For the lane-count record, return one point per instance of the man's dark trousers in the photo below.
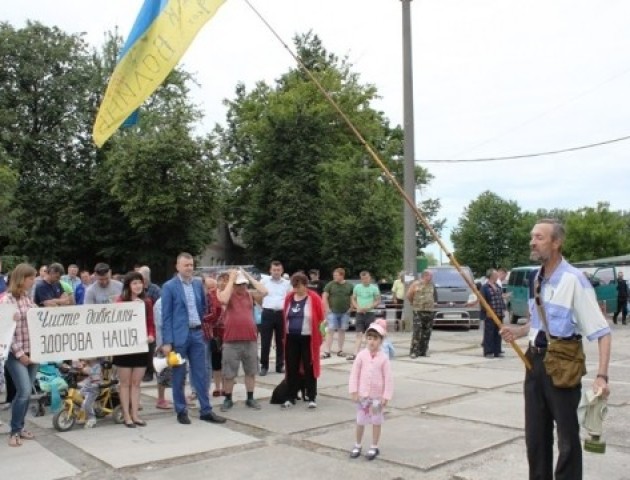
(271, 324)
(545, 404)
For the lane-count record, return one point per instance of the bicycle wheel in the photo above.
(64, 421)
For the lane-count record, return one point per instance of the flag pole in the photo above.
(419, 215)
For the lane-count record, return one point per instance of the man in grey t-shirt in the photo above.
(104, 289)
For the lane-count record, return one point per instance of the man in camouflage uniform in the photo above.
(422, 296)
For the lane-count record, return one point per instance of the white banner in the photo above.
(87, 331)
(7, 327)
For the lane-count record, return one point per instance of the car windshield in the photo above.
(447, 278)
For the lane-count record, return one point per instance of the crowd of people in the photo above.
(213, 325)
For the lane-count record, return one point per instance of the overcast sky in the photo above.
(491, 78)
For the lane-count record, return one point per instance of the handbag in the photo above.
(564, 360)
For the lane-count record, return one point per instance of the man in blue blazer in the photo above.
(183, 308)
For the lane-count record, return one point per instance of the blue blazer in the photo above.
(175, 323)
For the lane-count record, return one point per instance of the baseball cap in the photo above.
(240, 279)
(377, 328)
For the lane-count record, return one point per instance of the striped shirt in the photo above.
(21, 343)
(371, 376)
(570, 305)
(191, 302)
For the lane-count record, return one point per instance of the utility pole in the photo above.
(410, 225)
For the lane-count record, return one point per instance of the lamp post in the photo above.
(410, 225)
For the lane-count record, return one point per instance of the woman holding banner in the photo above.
(131, 367)
(19, 364)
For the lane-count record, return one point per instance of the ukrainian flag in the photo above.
(162, 32)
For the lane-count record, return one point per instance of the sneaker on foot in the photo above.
(312, 404)
(252, 403)
(355, 452)
(91, 423)
(287, 404)
(227, 404)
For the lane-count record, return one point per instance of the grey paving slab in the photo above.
(496, 408)
(239, 393)
(449, 359)
(400, 368)
(299, 418)
(510, 461)
(617, 426)
(473, 377)
(281, 462)
(423, 442)
(161, 439)
(412, 393)
(32, 461)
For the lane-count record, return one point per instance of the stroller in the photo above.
(51, 383)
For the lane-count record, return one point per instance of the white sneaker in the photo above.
(287, 404)
(91, 423)
(312, 404)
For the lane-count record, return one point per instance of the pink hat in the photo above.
(378, 328)
(382, 322)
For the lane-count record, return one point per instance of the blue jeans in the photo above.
(23, 378)
(195, 353)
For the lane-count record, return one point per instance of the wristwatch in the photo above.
(601, 375)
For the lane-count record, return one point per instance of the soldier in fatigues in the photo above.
(422, 296)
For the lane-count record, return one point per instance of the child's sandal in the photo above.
(15, 440)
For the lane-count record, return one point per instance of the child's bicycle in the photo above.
(107, 402)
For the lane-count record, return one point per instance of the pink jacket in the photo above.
(371, 376)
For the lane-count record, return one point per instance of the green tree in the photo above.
(305, 191)
(490, 234)
(596, 232)
(149, 193)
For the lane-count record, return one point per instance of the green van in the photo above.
(602, 279)
(517, 289)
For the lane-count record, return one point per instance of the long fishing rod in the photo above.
(419, 215)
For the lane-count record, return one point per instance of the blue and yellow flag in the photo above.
(160, 36)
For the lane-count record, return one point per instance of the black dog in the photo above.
(281, 392)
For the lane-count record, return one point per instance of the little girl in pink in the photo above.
(371, 387)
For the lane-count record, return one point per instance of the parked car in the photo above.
(456, 304)
(517, 289)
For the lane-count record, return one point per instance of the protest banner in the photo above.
(87, 331)
(7, 327)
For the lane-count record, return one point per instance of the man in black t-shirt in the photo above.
(314, 283)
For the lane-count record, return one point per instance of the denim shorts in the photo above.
(338, 321)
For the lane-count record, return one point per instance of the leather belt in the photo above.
(537, 350)
(195, 327)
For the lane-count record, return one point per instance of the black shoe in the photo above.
(614, 320)
(148, 377)
(499, 355)
(280, 370)
(183, 418)
(212, 418)
(263, 371)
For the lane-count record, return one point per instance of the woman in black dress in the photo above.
(131, 367)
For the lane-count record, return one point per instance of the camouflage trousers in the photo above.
(422, 327)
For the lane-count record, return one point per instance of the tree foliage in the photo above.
(596, 232)
(304, 189)
(490, 234)
(149, 193)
